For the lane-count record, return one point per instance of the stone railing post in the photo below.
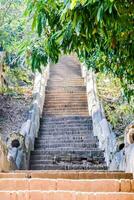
(6, 163)
(129, 148)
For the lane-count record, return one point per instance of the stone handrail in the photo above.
(101, 128)
(116, 159)
(21, 144)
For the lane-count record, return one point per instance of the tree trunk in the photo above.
(2, 55)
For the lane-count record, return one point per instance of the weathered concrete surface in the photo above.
(101, 128)
(30, 128)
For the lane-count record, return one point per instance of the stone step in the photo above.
(67, 125)
(64, 133)
(71, 78)
(67, 158)
(57, 151)
(59, 124)
(64, 142)
(62, 145)
(68, 83)
(71, 119)
(67, 149)
(64, 164)
(76, 137)
(67, 167)
(67, 145)
(64, 95)
(55, 101)
(57, 75)
(74, 175)
(66, 110)
(64, 98)
(62, 195)
(65, 84)
(67, 130)
(63, 185)
(54, 140)
(60, 78)
(72, 95)
(67, 114)
(65, 88)
(65, 105)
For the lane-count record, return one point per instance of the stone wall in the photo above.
(21, 144)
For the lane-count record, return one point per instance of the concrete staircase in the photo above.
(66, 139)
(66, 142)
(66, 185)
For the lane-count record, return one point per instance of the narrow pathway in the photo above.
(66, 139)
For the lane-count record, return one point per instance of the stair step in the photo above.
(69, 119)
(67, 167)
(64, 146)
(74, 175)
(66, 149)
(56, 151)
(66, 130)
(67, 157)
(67, 125)
(63, 142)
(66, 161)
(65, 106)
(65, 88)
(69, 137)
(69, 195)
(64, 113)
(73, 144)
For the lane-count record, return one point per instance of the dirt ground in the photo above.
(13, 112)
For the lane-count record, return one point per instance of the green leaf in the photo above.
(100, 13)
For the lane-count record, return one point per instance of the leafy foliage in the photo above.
(119, 112)
(99, 31)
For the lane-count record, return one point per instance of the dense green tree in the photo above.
(99, 31)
